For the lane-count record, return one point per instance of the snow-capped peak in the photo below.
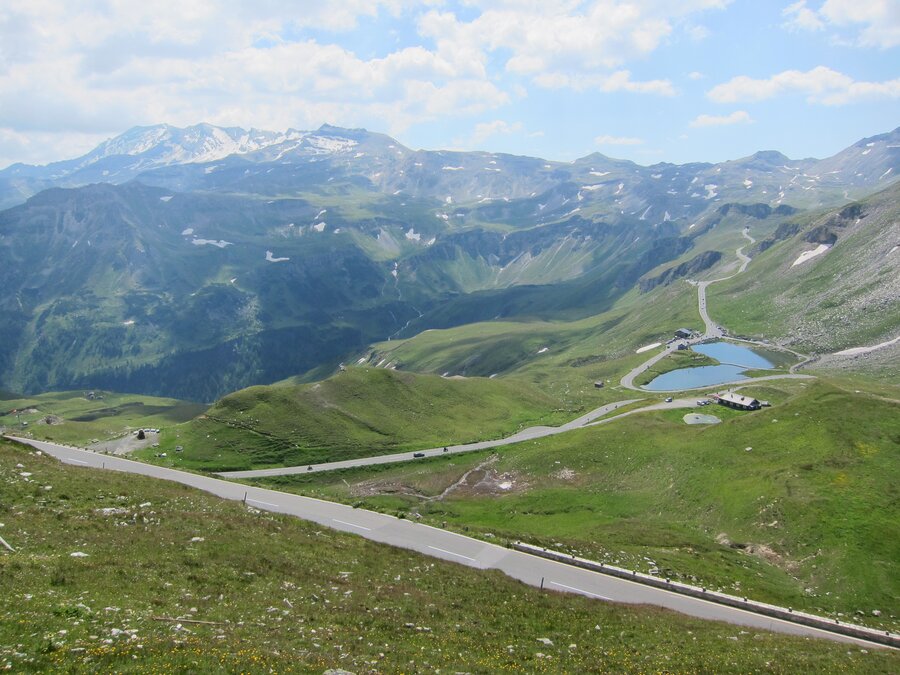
(162, 144)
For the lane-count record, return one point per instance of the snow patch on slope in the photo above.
(809, 255)
(218, 243)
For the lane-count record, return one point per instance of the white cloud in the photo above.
(801, 17)
(93, 67)
(698, 33)
(873, 23)
(566, 43)
(696, 75)
(44, 147)
(485, 130)
(614, 82)
(820, 85)
(737, 117)
(879, 19)
(618, 140)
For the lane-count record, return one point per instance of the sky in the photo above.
(646, 80)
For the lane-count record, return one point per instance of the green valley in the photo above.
(334, 296)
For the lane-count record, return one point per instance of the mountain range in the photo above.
(192, 262)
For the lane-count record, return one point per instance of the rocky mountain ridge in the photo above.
(208, 259)
(278, 163)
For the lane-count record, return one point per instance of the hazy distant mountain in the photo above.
(279, 163)
(196, 261)
(143, 148)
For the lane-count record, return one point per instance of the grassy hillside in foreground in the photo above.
(359, 412)
(71, 417)
(281, 595)
(795, 504)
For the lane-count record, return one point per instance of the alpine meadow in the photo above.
(461, 337)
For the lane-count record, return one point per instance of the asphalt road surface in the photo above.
(712, 331)
(442, 544)
(525, 435)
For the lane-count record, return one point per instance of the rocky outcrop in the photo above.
(690, 268)
(784, 231)
(759, 211)
(822, 234)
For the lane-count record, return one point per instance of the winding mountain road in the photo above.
(443, 544)
(528, 434)
(712, 331)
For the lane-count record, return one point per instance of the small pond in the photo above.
(734, 360)
(731, 354)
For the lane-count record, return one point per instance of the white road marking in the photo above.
(344, 522)
(266, 503)
(207, 484)
(458, 555)
(579, 590)
(77, 460)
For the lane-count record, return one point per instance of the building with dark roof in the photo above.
(737, 401)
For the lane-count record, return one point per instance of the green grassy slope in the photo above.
(577, 352)
(76, 419)
(360, 412)
(269, 593)
(842, 298)
(815, 497)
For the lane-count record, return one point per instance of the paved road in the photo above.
(442, 544)
(712, 331)
(628, 380)
(524, 435)
(666, 405)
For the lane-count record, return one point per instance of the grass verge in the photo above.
(172, 580)
(794, 504)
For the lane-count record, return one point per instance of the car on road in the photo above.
(418, 454)
(668, 399)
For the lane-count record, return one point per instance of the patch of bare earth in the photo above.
(373, 488)
(124, 444)
(763, 551)
(482, 480)
(485, 480)
(564, 474)
(51, 420)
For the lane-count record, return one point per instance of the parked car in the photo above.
(668, 399)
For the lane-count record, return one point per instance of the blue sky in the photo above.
(647, 80)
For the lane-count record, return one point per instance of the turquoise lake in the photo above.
(734, 360)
